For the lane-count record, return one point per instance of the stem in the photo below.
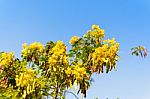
(71, 93)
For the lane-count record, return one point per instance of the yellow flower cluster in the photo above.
(112, 41)
(26, 79)
(106, 53)
(96, 32)
(68, 71)
(6, 59)
(79, 71)
(59, 48)
(36, 46)
(74, 39)
(59, 54)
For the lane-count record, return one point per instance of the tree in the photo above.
(50, 70)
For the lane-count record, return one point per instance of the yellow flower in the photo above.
(106, 53)
(27, 77)
(51, 61)
(97, 31)
(111, 41)
(59, 54)
(37, 45)
(80, 63)
(101, 32)
(24, 94)
(24, 52)
(74, 39)
(6, 59)
(59, 48)
(95, 26)
(79, 72)
(34, 47)
(65, 60)
(68, 71)
(24, 45)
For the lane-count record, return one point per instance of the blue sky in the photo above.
(126, 20)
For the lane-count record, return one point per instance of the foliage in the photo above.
(50, 70)
(140, 51)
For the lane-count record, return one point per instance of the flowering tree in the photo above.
(50, 70)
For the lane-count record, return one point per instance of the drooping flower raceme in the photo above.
(6, 62)
(105, 55)
(27, 80)
(58, 54)
(6, 59)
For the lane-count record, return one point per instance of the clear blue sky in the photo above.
(126, 20)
